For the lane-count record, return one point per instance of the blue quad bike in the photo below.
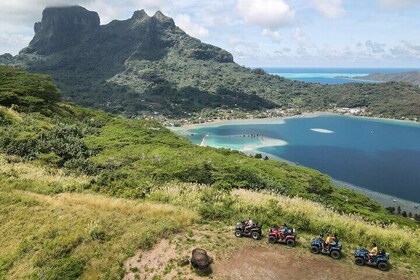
(361, 257)
(334, 251)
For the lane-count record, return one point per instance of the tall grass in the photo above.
(74, 235)
(307, 216)
(32, 177)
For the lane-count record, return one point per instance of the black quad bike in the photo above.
(362, 257)
(318, 246)
(253, 231)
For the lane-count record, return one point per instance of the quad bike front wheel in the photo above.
(272, 239)
(238, 233)
(290, 243)
(255, 235)
(359, 261)
(315, 250)
(383, 266)
(335, 255)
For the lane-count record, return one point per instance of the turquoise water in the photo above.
(331, 75)
(382, 156)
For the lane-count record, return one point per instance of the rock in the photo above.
(61, 27)
(200, 259)
(184, 262)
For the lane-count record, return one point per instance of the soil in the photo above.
(243, 259)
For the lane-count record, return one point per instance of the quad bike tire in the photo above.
(335, 254)
(383, 266)
(290, 243)
(255, 235)
(359, 261)
(315, 250)
(272, 239)
(238, 233)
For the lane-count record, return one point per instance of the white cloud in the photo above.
(397, 4)
(329, 8)
(300, 37)
(269, 14)
(274, 35)
(194, 29)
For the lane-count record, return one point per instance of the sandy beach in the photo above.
(276, 120)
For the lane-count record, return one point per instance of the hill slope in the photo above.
(147, 65)
(63, 167)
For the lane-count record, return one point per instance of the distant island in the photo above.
(412, 77)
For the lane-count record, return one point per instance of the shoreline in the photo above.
(281, 119)
(270, 120)
(383, 199)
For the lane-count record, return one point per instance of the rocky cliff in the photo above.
(61, 28)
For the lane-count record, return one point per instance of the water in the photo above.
(331, 75)
(379, 155)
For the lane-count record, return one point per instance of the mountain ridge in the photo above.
(148, 66)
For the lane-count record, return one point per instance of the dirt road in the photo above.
(245, 259)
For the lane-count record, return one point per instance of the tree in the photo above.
(391, 210)
(266, 158)
(410, 215)
(404, 214)
(399, 210)
(258, 156)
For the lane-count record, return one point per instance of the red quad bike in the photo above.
(276, 235)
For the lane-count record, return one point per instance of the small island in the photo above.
(412, 77)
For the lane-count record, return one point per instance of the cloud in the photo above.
(374, 47)
(274, 35)
(406, 49)
(329, 8)
(268, 14)
(300, 37)
(150, 5)
(391, 5)
(194, 29)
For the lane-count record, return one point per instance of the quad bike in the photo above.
(254, 231)
(318, 246)
(362, 257)
(276, 235)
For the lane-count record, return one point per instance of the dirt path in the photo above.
(285, 263)
(243, 259)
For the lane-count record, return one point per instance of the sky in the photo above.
(278, 33)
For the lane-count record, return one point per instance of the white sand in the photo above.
(321, 130)
(276, 120)
(265, 142)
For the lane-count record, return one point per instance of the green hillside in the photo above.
(129, 157)
(81, 190)
(147, 65)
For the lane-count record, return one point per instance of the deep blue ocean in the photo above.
(379, 155)
(331, 75)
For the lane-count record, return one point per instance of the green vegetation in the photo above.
(81, 190)
(157, 69)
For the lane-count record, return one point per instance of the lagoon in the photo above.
(379, 155)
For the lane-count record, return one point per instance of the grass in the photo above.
(309, 218)
(87, 235)
(76, 235)
(37, 178)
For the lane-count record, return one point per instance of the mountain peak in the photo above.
(140, 14)
(68, 16)
(163, 18)
(61, 26)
